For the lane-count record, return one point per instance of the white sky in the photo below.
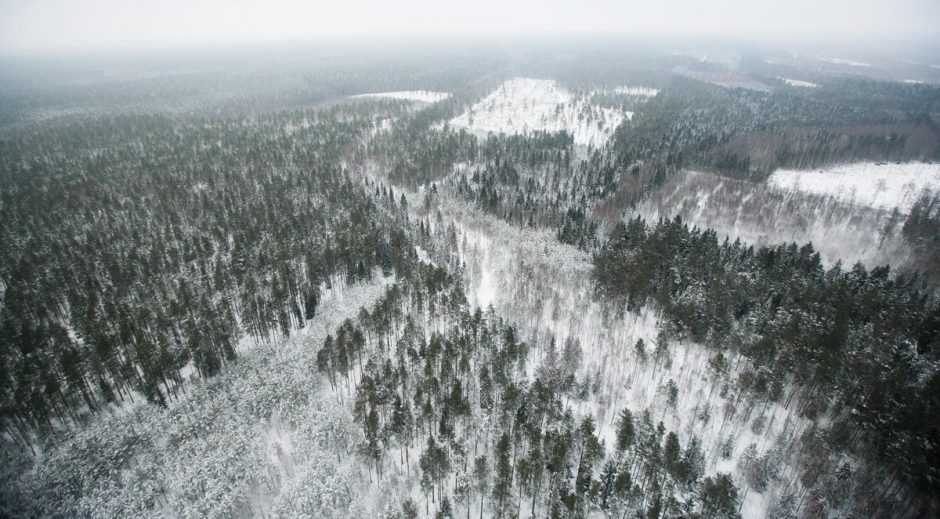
(44, 25)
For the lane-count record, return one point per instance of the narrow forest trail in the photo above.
(544, 288)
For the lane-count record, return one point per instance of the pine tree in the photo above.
(625, 431)
(445, 511)
(502, 485)
(719, 498)
(608, 478)
(671, 453)
(481, 478)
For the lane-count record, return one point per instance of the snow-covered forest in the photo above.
(469, 283)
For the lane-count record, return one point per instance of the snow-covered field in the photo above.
(523, 105)
(882, 186)
(763, 215)
(849, 62)
(797, 82)
(636, 91)
(421, 96)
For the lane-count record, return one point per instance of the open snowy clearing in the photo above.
(882, 186)
(421, 96)
(849, 62)
(521, 106)
(764, 215)
(797, 82)
(637, 91)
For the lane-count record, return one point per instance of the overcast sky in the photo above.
(52, 25)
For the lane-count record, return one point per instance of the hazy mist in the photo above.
(56, 25)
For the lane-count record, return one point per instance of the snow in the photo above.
(756, 505)
(421, 96)
(295, 126)
(266, 437)
(544, 289)
(423, 255)
(797, 82)
(761, 214)
(523, 105)
(636, 91)
(877, 185)
(849, 62)
(485, 291)
(382, 125)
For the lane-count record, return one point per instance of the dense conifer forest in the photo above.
(321, 287)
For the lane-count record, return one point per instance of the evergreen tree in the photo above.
(502, 485)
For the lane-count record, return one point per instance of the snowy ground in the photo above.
(797, 82)
(422, 96)
(265, 438)
(636, 91)
(849, 62)
(763, 215)
(382, 125)
(882, 186)
(523, 105)
(544, 287)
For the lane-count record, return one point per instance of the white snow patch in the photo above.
(797, 82)
(636, 91)
(523, 105)
(849, 62)
(764, 215)
(383, 125)
(756, 504)
(483, 287)
(882, 186)
(421, 96)
(423, 255)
